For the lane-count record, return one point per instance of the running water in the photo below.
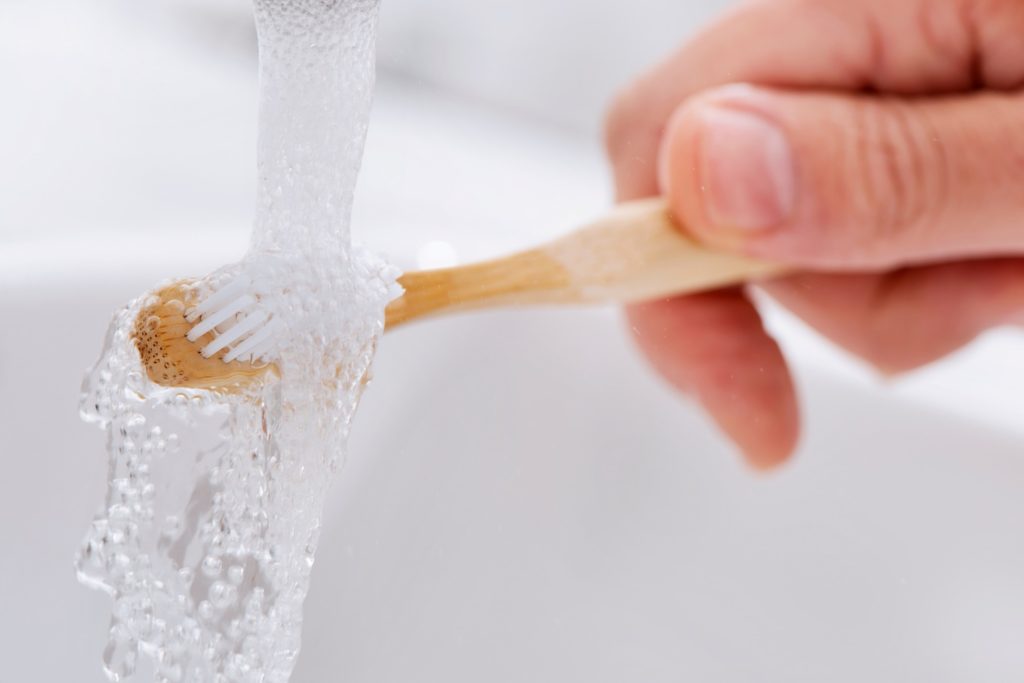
(208, 534)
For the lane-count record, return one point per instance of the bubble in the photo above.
(206, 610)
(236, 574)
(222, 595)
(212, 566)
(121, 654)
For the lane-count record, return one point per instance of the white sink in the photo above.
(524, 501)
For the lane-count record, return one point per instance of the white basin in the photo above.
(525, 501)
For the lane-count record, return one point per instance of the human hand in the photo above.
(878, 147)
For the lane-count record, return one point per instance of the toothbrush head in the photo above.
(240, 328)
(176, 355)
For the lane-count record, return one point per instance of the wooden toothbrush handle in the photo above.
(637, 253)
(634, 253)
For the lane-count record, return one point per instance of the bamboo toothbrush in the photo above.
(634, 253)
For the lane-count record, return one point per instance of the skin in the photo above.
(877, 146)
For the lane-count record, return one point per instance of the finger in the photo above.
(714, 347)
(906, 319)
(927, 46)
(838, 181)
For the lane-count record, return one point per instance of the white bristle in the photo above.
(211, 321)
(250, 345)
(248, 324)
(232, 290)
(235, 316)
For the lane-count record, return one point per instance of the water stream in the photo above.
(209, 529)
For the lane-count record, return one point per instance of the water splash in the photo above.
(210, 527)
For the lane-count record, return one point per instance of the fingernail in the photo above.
(747, 176)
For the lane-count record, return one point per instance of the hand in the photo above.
(878, 146)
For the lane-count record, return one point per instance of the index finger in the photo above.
(905, 47)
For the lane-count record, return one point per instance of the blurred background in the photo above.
(158, 96)
(590, 527)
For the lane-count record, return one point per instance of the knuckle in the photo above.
(900, 176)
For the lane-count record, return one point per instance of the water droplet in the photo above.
(121, 654)
(206, 610)
(236, 574)
(222, 595)
(212, 566)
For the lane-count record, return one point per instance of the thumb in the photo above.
(852, 181)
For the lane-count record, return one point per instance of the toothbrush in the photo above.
(634, 253)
